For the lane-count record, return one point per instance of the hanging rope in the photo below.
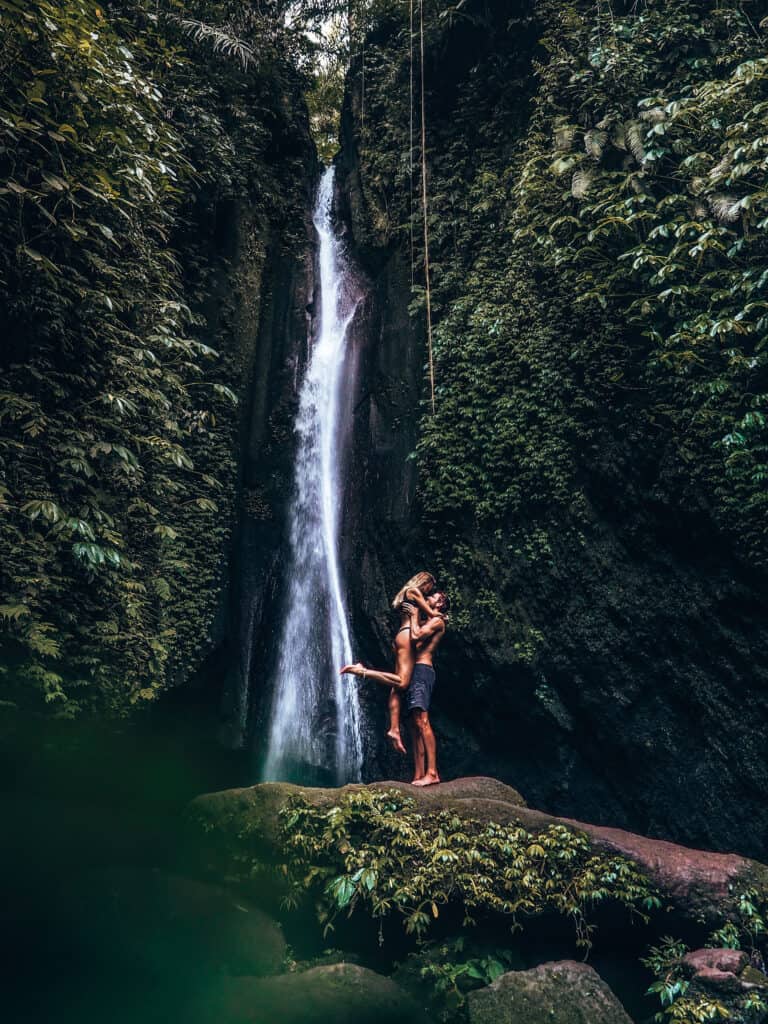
(362, 91)
(410, 141)
(424, 209)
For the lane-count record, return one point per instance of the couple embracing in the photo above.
(423, 615)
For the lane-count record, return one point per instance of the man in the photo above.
(418, 696)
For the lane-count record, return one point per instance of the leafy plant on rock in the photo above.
(372, 852)
(451, 970)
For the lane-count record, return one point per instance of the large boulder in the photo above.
(565, 992)
(700, 885)
(254, 810)
(138, 918)
(342, 993)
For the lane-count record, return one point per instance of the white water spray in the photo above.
(315, 722)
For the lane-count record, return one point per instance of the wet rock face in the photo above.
(271, 316)
(644, 703)
(556, 993)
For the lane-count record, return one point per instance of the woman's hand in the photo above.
(415, 596)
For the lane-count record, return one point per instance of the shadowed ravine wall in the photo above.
(248, 614)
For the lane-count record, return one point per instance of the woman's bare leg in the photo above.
(398, 682)
(385, 678)
(404, 659)
(393, 735)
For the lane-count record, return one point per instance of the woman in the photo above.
(411, 595)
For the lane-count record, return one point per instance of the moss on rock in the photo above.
(556, 993)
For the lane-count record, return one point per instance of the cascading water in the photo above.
(314, 730)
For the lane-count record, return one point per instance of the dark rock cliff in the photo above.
(641, 699)
(259, 311)
(274, 305)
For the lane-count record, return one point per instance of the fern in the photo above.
(594, 142)
(727, 209)
(564, 136)
(221, 39)
(14, 612)
(581, 182)
(635, 134)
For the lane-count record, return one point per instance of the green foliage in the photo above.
(680, 1002)
(747, 925)
(374, 853)
(684, 1005)
(326, 93)
(665, 961)
(450, 970)
(644, 189)
(598, 247)
(124, 127)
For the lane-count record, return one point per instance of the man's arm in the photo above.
(420, 634)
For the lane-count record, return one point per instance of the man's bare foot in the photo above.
(430, 779)
(396, 741)
(355, 670)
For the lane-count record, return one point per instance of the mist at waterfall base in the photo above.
(314, 733)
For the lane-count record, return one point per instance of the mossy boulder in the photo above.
(565, 992)
(255, 809)
(245, 823)
(144, 919)
(340, 993)
(701, 886)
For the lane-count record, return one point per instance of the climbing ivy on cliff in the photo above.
(644, 190)
(596, 178)
(124, 128)
(511, 406)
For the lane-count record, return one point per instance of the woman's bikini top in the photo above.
(406, 606)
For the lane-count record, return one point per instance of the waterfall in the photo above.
(314, 731)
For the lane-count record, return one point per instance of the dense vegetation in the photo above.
(375, 856)
(125, 129)
(644, 184)
(598, 238)
(684, 1006)
(375, 852)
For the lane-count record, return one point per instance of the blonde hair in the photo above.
(414, 583)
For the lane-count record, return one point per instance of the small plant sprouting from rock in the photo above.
(681, 1002)
(451, 969)
(666, 963)
(374, 852)
(747, 928)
